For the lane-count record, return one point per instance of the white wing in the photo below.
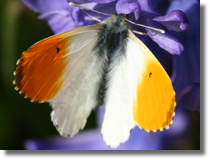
(118, 119)
(136, 94)
(73, 104)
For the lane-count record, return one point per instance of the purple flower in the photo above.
(186, 67)
(176, 20)
(61, 17)
(56, 12)
(59, 14)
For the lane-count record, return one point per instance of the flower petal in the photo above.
(59, 20)
(78, 17)
(43, 6)
(127, 7)
(184, 6)
(147, 8)
(88, 1)
(104, 8)
(166, 40)
(102, 1)
(176, 21)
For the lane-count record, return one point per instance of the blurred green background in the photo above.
(19, 118)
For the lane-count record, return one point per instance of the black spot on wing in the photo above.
(150, 74)
(58, 50)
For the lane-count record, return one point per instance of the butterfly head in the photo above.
(117, 23)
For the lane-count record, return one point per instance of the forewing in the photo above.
(65, 70)
(73, 104)
(41, 70)
(153, 93)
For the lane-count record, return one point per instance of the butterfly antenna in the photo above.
(141, 33)
(156, 29)
(74, 4)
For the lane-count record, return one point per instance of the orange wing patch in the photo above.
(155, 101)
(39, 71)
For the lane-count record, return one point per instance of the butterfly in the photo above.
(105, 63)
